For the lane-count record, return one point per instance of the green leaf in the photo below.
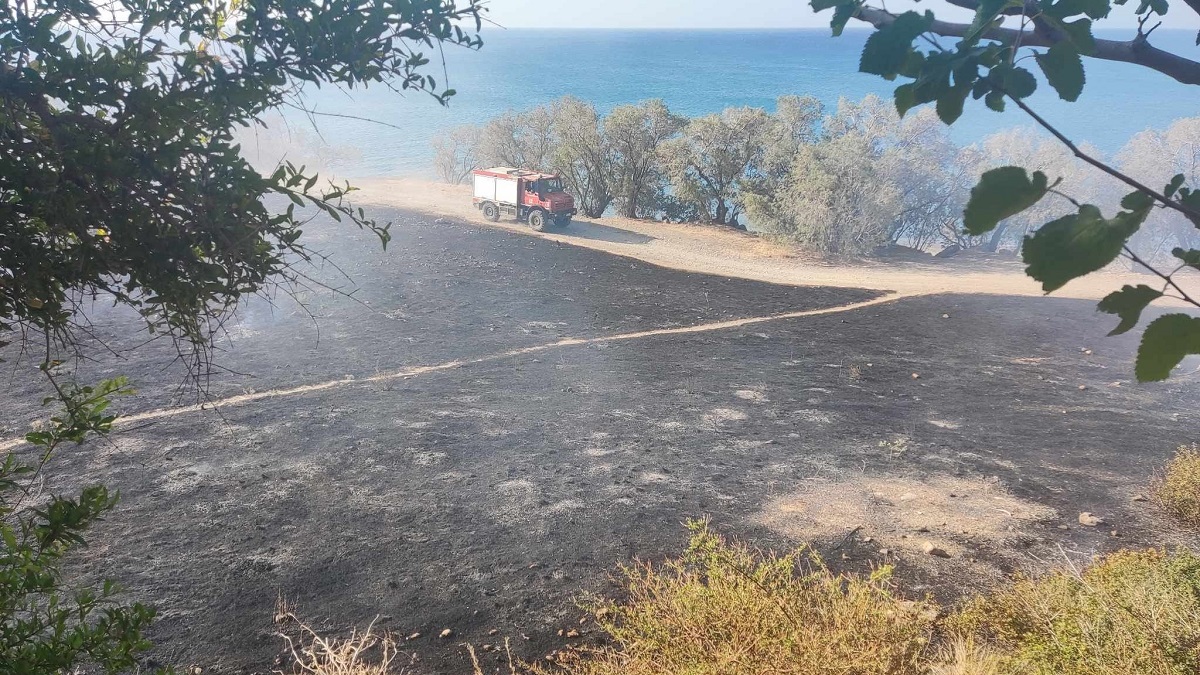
(1002, 193)
(1190, 257)
(1077, 244)
(841, 16)
(887, 49)
(1128, 304)
(1096, 9)
(906, 98)
(1164, 344)
(1064, 70)
(987, 12)
(950, 104)
(1174, 185)
(1017, 82)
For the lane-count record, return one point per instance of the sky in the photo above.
(731, 14)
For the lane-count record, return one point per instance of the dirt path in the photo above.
(736, 254)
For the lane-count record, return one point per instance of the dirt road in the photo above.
(493, 422)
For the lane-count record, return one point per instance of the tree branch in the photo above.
(1138, 51)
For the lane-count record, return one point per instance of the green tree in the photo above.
(583, 156)
(121, 178)
(991, 60)
(716, 157)
(636, 134)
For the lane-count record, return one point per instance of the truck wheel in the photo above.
(562, 221)
(491, 212)
(537, 220)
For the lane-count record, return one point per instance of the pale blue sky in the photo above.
(728, 13)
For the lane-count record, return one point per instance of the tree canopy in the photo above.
(119, 170)
(991, 61)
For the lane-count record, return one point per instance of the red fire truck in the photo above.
(536, 198)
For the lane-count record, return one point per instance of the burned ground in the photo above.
(491, 495)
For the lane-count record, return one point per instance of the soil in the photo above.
(490, 424)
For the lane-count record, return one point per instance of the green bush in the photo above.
(724, 610)
(45, 625)
(1131, 612)
(1178, 489)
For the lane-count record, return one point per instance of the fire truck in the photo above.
(528, 196)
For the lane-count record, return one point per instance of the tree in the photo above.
(989, 61)
(1025, 147)
(914, 159)
(636, 134)
(583, 155)
(715, 157)
(1152, 157)
(797, 123)
(833, 199)
(121, 177)
(524, 140)
(456, 154)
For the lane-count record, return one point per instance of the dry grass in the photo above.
(1131, 612)
(368, 652)
(724, 610)
(1177, 490)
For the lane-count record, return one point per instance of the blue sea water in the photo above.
(698, 72)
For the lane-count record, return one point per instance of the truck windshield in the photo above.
(550, 185)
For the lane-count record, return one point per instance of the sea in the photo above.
(697, 72)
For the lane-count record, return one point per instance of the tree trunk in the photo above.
(997, 236)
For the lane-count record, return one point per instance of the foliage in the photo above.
(121, 177)
(833, 199)
(989, 62)
(1153, 157)
(119, 173)
(1130, 612)
(45, 626)
(715, 158)
(583, 156)
(1177, 490)
(722, 609)
(636, 134)
(859, 178)
(454, 155)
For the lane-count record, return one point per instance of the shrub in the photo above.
(722, 609)
(1131, 612)
(48, 625)
(1178, 489)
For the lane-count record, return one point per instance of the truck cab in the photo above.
(536, 198)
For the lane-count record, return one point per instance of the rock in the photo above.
(487, 648)
(446, 634)
(1088, 520)
(916, 376)
(494, 631)
(1140, 498)
(929, 549)
(1087, 352)
(945, 316)
(414, 636)
(949, 252)
(1082, 387)
(1063, 527)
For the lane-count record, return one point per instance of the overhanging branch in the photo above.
(1138, 51)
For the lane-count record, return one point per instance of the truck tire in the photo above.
(491, 212)
(562, 221)
(537, 220)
